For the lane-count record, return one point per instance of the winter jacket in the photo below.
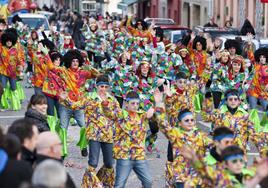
(39, 119)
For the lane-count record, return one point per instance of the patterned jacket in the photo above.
(259, 78)
(39, 62)
(177, 102)
(178, 137)
(220, 177)
(11, 59)
(72, 82)
(130, 133)
(98, 126)
(238, 122)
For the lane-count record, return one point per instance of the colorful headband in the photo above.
(232, 94)
(183, 115)
(103, 83)
(184, 49)
(129, 99)
(68, 37)
(224, 52)
(220, 137)
(232, 157)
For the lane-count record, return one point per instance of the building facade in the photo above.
(160, 9)
(237, 10)
(196, 12)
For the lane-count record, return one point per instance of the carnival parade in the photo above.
(98, 100)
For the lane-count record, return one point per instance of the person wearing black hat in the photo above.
(13, 62)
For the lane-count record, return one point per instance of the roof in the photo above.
(30, 15)
(160, 21)
(174, 27)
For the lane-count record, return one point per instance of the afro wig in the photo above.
(55, 55)
(70, 56)
(159, 33)
(202, 40)
(259, 52)
(9, 36)
(49, 44)
(143, 23)
(16, 19)
(232, 43)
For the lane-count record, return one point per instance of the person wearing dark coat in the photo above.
(27, 133)
(39, 119)
(77, 33)
(37, 112)
(247, 28)
(49, 147)
(16, 171)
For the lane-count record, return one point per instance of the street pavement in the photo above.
(157, 164)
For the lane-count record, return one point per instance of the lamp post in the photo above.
(259, 15)
(241, 12)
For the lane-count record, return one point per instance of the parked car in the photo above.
(34, 21)
(243, 39)
(176, 36)
(264, 43)
(45, 13)
(160, 21)
(174, 33)
(216, 31)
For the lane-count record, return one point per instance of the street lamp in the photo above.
(241, 12)
(259, 14)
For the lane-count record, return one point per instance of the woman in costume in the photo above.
(197, 48)
(12, 65)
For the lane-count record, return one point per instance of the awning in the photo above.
(125, 3)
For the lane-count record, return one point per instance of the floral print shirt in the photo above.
(178, 137)
(238, 122)
(73, 82)
(221, 177)
(98, 126)
(130, 133)
(11, 58)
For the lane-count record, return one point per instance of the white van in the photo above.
(34, 21)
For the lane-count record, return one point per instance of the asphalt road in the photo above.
(157, 165)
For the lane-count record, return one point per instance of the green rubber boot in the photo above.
(52, 122)
(198, 98)
(254, 118)
(20, 90)
(15, 101)
(63, 137)
(82, 143)
(4, 99)
(264, 122)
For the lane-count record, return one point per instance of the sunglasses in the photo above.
(75, 60)
(232, 99)
(181, 81)
(227, 142)
(188, 120)
(104, 86)
(235, 161)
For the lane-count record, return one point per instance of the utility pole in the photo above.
(259, 16)
(241, 12)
